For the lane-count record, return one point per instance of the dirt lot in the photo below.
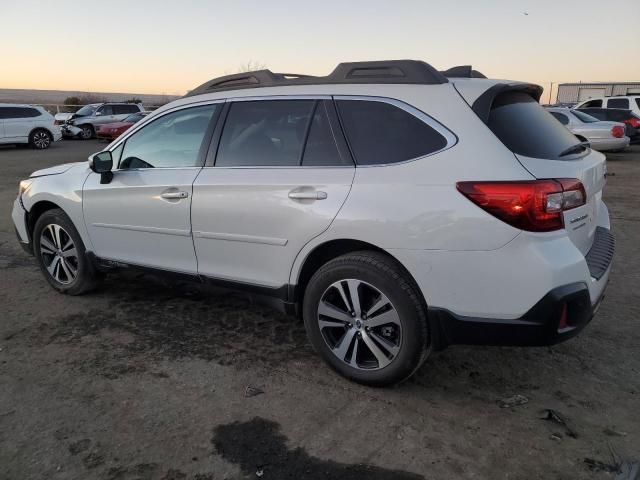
(148, 380)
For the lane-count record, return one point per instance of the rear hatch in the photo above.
(548, 150)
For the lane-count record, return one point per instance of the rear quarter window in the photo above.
(380, 133)
(526, 128)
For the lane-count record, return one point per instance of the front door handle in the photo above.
(174, 195)
(307, 195)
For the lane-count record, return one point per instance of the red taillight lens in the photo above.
(634, 122)
(617, 131)
(535, 206)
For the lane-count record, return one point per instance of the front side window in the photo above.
(106, 110)
(171, 141)
(638, 102)
(264, 133)
(618, 103)
(86, 111)
(380, 133)
(592, 104)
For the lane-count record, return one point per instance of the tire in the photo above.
(87, 132)
(385, 291)
(40, 139)
(55, 240)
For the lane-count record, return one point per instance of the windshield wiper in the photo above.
(577, 148)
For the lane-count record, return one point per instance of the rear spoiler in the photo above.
(482, 105)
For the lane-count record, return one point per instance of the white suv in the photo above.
(27, 124)
(626, 102)
(398, 209)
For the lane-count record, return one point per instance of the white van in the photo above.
(28, 124)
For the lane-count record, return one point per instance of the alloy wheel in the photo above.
(86, 133)
(59, 254)
(41, 140)
(360, 324)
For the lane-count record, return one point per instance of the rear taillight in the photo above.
(617, 131)
(634, 122)
(535, 206)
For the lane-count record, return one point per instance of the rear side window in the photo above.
(561, 117)
(527, 129)
(380, 133)
(265, 133)
(19, 112)
(618, 103)
(320, 148)
(592, 104)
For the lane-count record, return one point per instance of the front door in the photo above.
(142, 216)
(280, 178)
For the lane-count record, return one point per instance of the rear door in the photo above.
(280, 176)
(548, 150)
(19, 122)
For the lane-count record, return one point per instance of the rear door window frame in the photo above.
(333, 122)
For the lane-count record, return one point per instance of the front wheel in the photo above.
(364, 316)
(61, 254)
(87, 132)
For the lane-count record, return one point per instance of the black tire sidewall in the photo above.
(85, 278)
(415, 338)
(32, 139)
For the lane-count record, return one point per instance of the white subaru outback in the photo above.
(397, 208)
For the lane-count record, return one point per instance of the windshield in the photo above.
(86, 110)
(583, 117)
(526, 128)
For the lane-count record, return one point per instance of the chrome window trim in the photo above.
(449, 136)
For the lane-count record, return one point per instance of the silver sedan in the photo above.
(602, 136)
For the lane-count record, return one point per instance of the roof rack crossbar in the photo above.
(391, 72)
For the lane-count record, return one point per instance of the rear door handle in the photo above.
(307, 195)
(174, 195)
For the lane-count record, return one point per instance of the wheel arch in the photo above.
(327, 251)
(36, 212)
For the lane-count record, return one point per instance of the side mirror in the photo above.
(98, 114)
(102, 163)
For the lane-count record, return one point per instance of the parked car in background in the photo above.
(627, 102)
(396, 208)
(630, 119)
(111, 131)
(27, 124)
(84, 123)
(602, 136)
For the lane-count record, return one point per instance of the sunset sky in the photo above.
(171, 46)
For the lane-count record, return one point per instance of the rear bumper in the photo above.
(559, 315)
(604, 145)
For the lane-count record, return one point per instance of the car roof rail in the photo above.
(462, 71)
(388, 72)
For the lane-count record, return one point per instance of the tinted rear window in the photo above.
(528, 129)
(381, 133)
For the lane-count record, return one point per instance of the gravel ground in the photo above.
(144, 379)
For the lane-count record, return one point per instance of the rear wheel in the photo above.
(61, 254)
(40, 139)
(365, 317)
